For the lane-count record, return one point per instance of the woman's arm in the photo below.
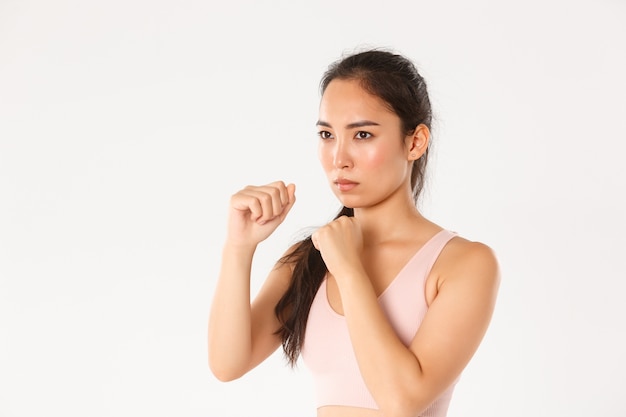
(405, 380)
(241, 335)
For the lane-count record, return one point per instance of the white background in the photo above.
(125, 126)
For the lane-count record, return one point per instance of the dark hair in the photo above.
(395, 80)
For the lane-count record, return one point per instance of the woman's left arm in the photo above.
(405, 380)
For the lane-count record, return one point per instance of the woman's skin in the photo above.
(367, 160)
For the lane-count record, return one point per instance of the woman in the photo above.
(385, 306)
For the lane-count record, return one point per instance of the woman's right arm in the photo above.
(241, 334)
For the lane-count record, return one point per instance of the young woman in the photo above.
(385, 306)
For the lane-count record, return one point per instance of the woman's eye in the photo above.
(324, 134)
(363, 135)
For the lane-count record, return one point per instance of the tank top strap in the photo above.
(433, 248)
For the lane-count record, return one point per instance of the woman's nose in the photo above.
(342, 157)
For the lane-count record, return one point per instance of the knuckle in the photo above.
(236, 198)
(266, 198)
(275, 192)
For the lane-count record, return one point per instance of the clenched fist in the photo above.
(256, 211)
(340, 242)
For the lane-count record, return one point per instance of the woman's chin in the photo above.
(351, 202)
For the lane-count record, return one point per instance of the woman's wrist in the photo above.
(238, 249)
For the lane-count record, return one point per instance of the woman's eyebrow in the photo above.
(360, 123)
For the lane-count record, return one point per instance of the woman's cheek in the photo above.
(373, 157)
(324, 155)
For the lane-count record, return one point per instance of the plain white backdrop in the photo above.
(126, 125)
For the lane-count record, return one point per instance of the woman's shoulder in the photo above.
(458, 248)
(466, 248)
(462, 257)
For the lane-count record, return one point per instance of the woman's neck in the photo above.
(389, 221)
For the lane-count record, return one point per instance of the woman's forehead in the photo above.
(347, 99)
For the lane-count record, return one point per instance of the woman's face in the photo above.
(362, 148)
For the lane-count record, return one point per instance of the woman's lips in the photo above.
(345, 185)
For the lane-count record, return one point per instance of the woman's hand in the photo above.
(256, 211)
(340, 242)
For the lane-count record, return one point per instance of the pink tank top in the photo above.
(327, 350)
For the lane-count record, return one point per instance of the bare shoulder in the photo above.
(461, 299)
(463, 259)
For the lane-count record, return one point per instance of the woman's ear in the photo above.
(417, 142)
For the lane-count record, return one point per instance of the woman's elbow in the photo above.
(223, 372)
(223, 376)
